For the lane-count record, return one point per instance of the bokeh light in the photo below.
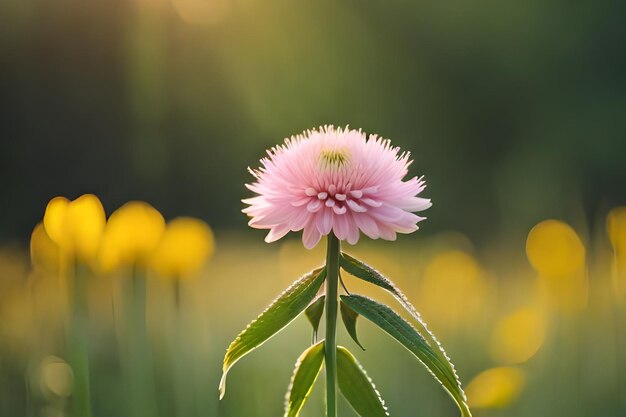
(453, 290)
(518, 337)
(496, 387)
(56, 377)
(554, 249)
(556, 252)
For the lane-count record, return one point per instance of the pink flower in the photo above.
(335, 180)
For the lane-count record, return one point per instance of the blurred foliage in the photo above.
(154, 342)
(514, 112)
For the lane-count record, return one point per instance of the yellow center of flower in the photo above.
(334, 157)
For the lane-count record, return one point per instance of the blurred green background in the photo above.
(514, 111)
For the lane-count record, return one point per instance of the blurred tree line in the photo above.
(514, 111)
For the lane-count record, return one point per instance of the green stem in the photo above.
(78, 341)
(330, 346)
(143, 401)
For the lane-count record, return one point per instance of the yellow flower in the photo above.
(184, 248)
(518, 337)
(76, 226)
(558, 255)
(616, 229)
(131, 234)
(554, 249)
(44, 252)
(495, 388)
(54, 219)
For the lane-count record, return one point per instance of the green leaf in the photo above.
(401, 330)
(307, 369)
(314, 313)
(365, 272)
(349, 316)
(357, 388)
(275, 317)
(361, 270)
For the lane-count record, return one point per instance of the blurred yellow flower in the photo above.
(518, 337)
(130, 235)
(54, 219)
(557, 253)
(85, 220)
(453, 289)
(185, 246)
(76, 226)
(44, 252)
(554, 249)
(495, 388)
(616, 229)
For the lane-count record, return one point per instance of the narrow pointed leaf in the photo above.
(357, 388)
(279, 314)
(307, 369)
(314, 314)
(349, 316)
(401, 330)
(365, 272)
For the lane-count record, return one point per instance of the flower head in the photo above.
(184, 248)
(76, 226)
(335, 180)
(131, 234)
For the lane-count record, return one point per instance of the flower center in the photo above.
(334, 157)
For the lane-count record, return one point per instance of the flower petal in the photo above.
(324, 221)
(276, 233)
(311, 236)
(367, 225)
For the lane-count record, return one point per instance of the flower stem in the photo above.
(78, 342)
(330, 346)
